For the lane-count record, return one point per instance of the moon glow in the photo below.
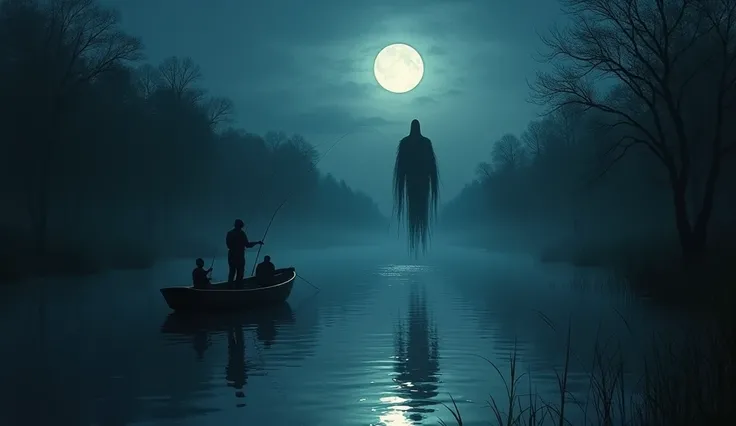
(398, 68)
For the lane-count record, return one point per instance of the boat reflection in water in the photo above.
(416, 367)
(201, 327)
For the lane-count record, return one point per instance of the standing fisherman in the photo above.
(237, 242)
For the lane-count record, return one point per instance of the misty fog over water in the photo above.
(386, 341)
(577, 207)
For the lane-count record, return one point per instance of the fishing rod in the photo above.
(273, 216)
(212, 265)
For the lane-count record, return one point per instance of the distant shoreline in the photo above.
(76, 263)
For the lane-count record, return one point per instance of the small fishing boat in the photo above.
(243, 294)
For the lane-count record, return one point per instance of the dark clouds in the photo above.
(333, 119)
(306, 66)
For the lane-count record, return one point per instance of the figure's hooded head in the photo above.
(415, 131)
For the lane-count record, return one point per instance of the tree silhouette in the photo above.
(148, 80)
(92, 137)
(54, 49)
(219, 111)
(507, 152)
(673, 65)
(179, 75)
(534, 139)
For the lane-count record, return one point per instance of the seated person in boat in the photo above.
(199, 275)
(265, 272)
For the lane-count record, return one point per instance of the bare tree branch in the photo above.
(648, 54)
(484, 170)
(179, 74)
(534, 138)
(622, 147)
(219, 110)
(148, 80)
(637, 44)
(507, 152)
(88, 40)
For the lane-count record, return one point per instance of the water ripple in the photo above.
(383, 343)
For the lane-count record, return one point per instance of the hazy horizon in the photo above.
(178, 251)
(308, 69)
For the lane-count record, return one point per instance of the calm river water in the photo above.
(386, 341)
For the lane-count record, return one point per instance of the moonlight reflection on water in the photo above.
(382, 342)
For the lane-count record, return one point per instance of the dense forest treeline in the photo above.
(110, 159)
(635, 150)
(552, 187)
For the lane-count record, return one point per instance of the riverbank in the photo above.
(19, 261)
(650, 266)
(687, 382)
(653, 268)
(691, 381)
(679, 389)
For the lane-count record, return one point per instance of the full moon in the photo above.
(398, 68)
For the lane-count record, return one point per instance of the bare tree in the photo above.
(484, 170)
(219, 110)
(86, 40)
(82, 41)
(652, 51)
(507, 153)
(180, 75)
(535, 138)
(275, 139)
(148, 80)
(304, 148)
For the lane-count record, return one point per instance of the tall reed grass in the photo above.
(690, 382)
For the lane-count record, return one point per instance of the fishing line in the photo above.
(314, 166)
(307, 281)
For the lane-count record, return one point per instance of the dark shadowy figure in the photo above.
(236, 371)
(417, 352)
(237, 242)
(416, 181)
(265, 272)
(199, 275)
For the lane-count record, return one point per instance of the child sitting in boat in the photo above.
(265, 272)
(199, 275)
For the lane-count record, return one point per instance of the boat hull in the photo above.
(238, 295)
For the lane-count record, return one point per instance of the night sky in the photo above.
(307, 67)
